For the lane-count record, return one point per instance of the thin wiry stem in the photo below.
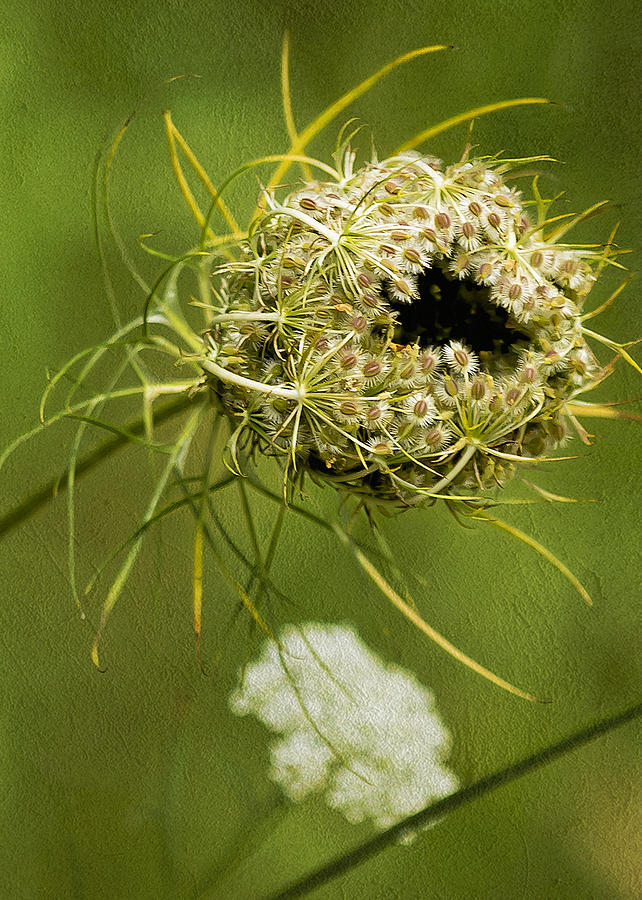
(336, 108)
(413, 616)
(179, 450)
(287, 99)
(467, 116)
(434, 811)
(40, 498)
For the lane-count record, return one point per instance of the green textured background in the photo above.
(138, 782)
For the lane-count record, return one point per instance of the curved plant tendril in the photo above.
(468, 116)
(336, 108)
(535, 545)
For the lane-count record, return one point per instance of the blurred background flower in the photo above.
(363, 734)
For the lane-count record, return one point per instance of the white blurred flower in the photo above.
(360, 731)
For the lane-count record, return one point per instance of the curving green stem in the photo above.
(466, 795)
(40, 498)
(249, 384)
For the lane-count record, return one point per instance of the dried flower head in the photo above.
(362, 733)
(413, 288)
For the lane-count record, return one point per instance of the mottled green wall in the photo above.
(133, 783)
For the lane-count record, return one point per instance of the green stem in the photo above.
(34, 502)
(248, 383)
(467, 454)
(436, 810)
(250, 316)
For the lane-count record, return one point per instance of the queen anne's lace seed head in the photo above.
(363, 734)
(403, 279)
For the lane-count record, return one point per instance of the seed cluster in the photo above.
(405, 333)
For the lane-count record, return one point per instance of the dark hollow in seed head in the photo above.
(453, 309)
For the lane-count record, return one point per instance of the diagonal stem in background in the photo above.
(34, 502)
(485, 785)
